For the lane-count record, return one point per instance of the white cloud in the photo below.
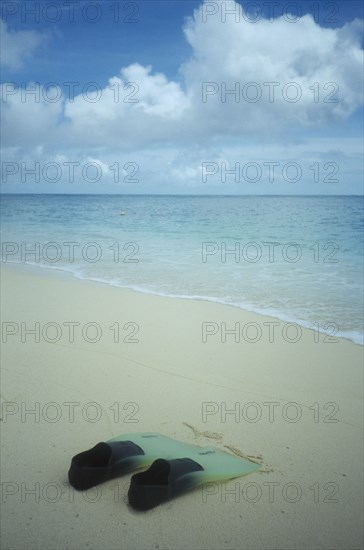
(176, 169)
(135, 108)
(141, 110)
(274, 62)
(102, 166)
(29, 119)
(234, 54)
(286, 76)
(18, 46)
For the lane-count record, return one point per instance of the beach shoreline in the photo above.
(332, 330)
(84, 361)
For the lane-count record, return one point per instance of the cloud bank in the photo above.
(266, 81)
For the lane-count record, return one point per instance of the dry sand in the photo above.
(295, 406)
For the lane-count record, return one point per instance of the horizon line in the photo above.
(182, 195)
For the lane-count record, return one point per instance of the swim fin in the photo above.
(121, 455)
(166, 479)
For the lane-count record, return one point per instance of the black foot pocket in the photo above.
(102, 462)
(165, 479)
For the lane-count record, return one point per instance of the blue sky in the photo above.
(171, 128)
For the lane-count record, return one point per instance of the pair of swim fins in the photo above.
(175, 467)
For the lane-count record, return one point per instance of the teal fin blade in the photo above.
(155, 446)
(166, 479)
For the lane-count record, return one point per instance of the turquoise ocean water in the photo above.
(299, 259)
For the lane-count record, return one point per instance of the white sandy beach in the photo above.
(308, 493)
